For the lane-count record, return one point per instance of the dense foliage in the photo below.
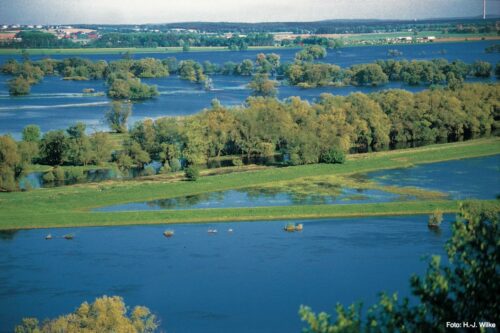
(415, 72)
(106, 315)
(301, 132)
(465, 288)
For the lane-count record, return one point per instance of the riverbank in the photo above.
(70, 206)
(350, 41)
(133, 50)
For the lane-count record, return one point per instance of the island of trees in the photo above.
(123, 77)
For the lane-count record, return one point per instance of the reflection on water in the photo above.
(477, 178)
(35, 179)
(196, 282)
(256, 198)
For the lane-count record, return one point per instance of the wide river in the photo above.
(55, 104)
(251, 280)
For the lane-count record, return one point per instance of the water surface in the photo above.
(471, 178)
(256, 198)
(251, 280)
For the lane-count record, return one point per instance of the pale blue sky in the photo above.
(164, 11)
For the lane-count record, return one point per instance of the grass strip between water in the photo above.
(70, 205)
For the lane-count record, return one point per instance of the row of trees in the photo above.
(437, 71)
(306, 133)
(73, 147)
(302, 132)
(151, 39)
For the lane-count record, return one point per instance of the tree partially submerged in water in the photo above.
(105, 315)
(465, 289)
(117, 116)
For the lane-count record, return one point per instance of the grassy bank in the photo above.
(68, 206)
(372, 37)
(123, 50)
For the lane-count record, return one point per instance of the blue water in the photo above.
(473, 178)
(254, 198)
(477, 178)
(251, 280)
(55, 103)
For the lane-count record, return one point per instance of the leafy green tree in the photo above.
(10, 164)
(139, 156)
(31, 133)
(19, 86)
(311, 53)
(175, 165)
(192, 71)
(464, 288)
(371, 74)
(262, 86)
(101, 147)
(131, 89)
(481, 69)
(53, 147)
(149, 68)
(79, 150)
(106, 315)
(118, 115)
(245, 67)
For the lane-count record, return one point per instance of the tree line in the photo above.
(296, 129)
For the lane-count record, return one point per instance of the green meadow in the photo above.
(70, 205)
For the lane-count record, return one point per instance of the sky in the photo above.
(166, 11)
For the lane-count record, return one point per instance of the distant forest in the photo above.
(205, 34)
(319, 27)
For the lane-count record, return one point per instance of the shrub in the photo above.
(192, 173)
(165, 168)
(237, 162)
(334, 155)
(75, 175)
(435, 219)
(175, 165)
(48, 177)
(149, 171)
(58, 174)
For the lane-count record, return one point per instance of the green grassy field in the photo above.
(352, 37)
(437, 34)
(69, 206)
(134, 50)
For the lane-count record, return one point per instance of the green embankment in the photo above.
(69, 206)
(123, 50)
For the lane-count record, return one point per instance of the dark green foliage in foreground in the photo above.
(106, 315)
(332, 156)
(192, 173)
(466, 288)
